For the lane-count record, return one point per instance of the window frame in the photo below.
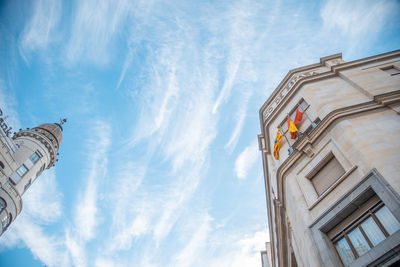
(357, 224)
(4, 223)
(319, 167)
(387, 68)
(3, 205)
(292, 115)
(28, 184)
(38, 156)
(26, 170)
(371, 184)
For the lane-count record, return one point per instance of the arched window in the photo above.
(3, 204)
(6, 221)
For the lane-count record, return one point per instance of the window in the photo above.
(371, 195)
(3, 204)
(41, 170)
(5, 221)
(27, 185)
(35, 157)
(302, 105)
(326, 174)
(22, 170)
(366, 232)
(391, 70)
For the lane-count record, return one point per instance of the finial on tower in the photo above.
(62, 121)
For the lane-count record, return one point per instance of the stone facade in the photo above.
(22, 159)
(343, 169)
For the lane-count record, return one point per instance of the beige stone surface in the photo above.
(358, 105)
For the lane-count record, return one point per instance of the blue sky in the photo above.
(159, 164)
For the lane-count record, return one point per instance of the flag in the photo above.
(299, 117)
(292, 128)
(277, 144)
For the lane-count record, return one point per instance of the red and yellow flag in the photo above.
(299, 117)
(292, 128)
(277, 144)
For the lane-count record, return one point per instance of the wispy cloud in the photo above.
(94, 26)
(196, 75)
(43, 199)
(130, 215)
(38, 32)
(42, 206)
(246, 160)
(191, 252)
(86, 215)
(241, 116)
(8, 105)
(247, 250)
(358, 19)
(231, 71)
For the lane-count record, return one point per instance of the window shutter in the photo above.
(327, 175)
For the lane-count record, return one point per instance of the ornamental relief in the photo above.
(283, 92)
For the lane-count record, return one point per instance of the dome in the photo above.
(54, 129)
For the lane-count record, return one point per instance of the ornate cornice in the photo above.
(308, 74)
(42, 139)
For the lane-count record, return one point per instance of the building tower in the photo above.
(333, 188)
(22, 159)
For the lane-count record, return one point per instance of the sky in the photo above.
(159, 164)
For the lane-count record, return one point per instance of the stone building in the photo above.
(333, 194)
(22, 159)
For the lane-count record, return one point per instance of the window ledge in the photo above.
(385, 252)
(333, 186)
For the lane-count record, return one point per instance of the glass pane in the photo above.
(5, 221)
(34, 158)
(358, 241)
(344, 251)
(373, 231)
(22, 170)
(388, 220)
(3, 204)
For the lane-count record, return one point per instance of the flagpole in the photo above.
(291, 150)
(313, 124)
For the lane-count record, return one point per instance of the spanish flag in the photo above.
(292, 128)
(277, 144)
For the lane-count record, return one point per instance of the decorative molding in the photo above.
(42, 139)
(267, 114)
(333, 186)
(314, 135)
(308, 150)
(284, 91)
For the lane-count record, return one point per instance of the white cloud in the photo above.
(37, 33)
(44, 247)
(43, 200)
(241, 116)
(248, 250)
(246, 160)
(107, 262)
(86, 216)
(130, 215)
(42, 206)
(192, 251)
(86, 207)
(358, 19)
(232, 69)
(76, 250)
(94, 25)
(8, 104)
